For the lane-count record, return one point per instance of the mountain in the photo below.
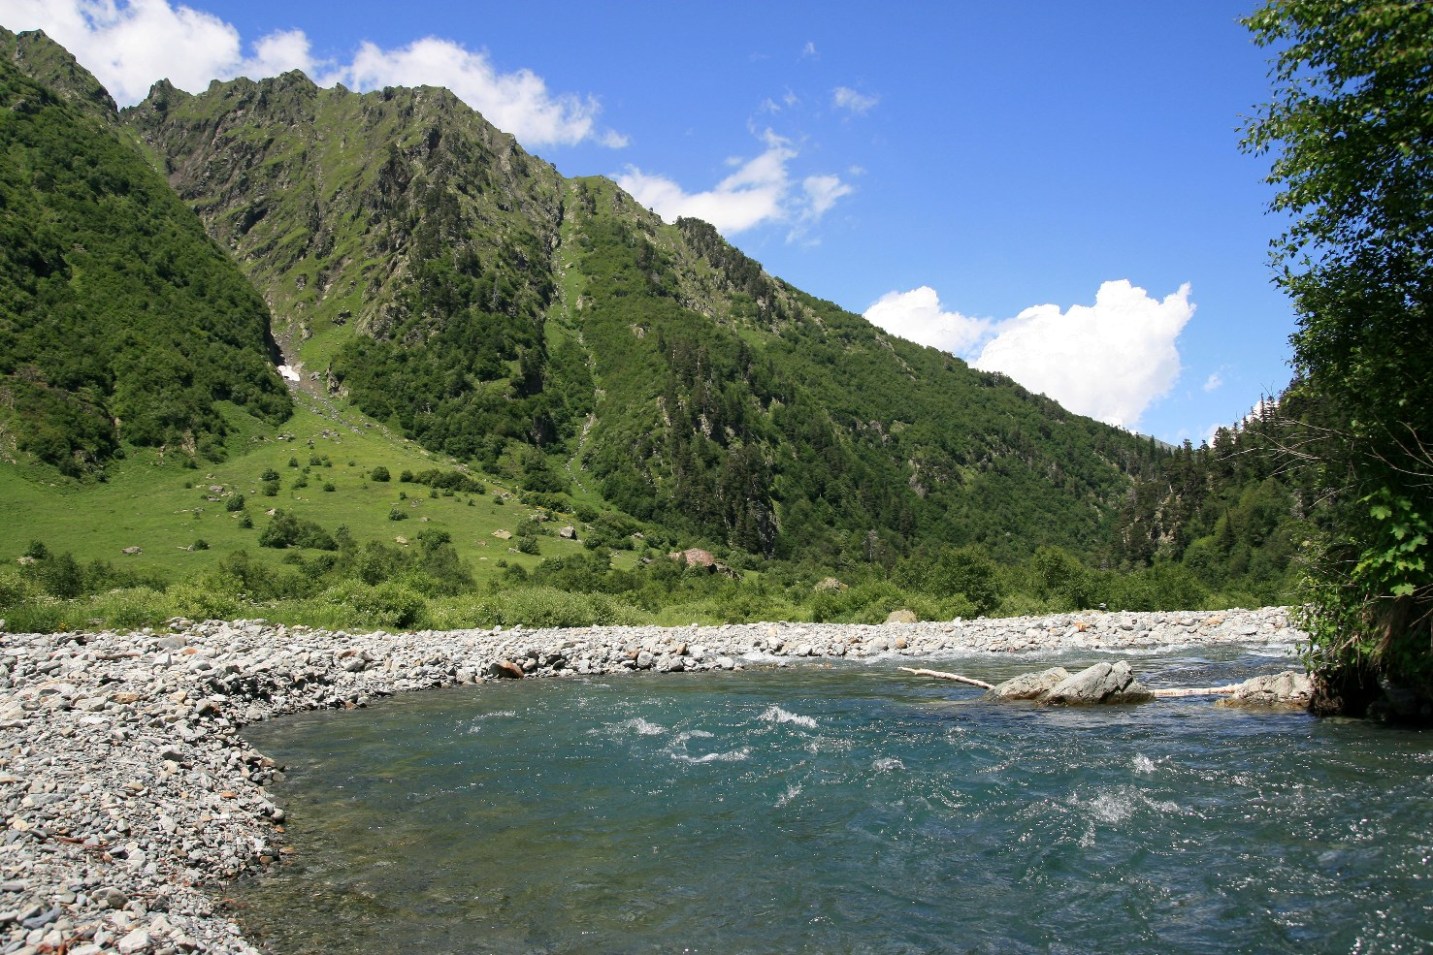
(120, 320)
(422, 266)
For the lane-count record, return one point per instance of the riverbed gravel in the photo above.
(130, 798)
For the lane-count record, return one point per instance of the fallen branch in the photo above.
(1166, 693)
(941, 674)
(1196, 691)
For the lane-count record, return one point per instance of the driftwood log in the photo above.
(1285, 689)
(942, 675)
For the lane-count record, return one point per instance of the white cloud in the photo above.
(859, 103)
(1109, 361)
(760, 191)
(822, 193)
(809, 50)
(518, 103)
(129, 45)
(918, 316)
(1214, 382)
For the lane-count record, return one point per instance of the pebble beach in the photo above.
(130, 797)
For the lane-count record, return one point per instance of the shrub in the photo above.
(286, 530)
(235, 503)
(200, 602)
(35, 617)
(132, 608)
(379, 473)
(388, 605)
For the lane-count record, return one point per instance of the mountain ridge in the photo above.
(456, 306)
(427, 268)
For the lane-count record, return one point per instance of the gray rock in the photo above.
(135, 942)
(1100, 683)
(1029, 686)
(1288, 689)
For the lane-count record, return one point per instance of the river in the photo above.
(845, 807)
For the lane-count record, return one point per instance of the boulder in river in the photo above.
(1030, 686)
(1102, 683)
(1291, 689)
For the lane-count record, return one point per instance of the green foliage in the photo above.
(122, 320)
(446, 480)
(1234, 514)
(1350, 128)
(379, 473)
(287, 530)
(389, 605)
(966, 572)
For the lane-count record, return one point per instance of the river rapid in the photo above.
(743, 788)
(846, 806)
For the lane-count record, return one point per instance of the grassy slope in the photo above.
(145, 503)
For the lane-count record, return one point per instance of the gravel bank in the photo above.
(130, 798)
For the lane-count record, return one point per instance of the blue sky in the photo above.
(1046, 188)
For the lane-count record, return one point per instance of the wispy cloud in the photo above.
(843, 97)
(760, 191)
(130, 44)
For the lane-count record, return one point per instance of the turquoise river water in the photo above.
(845, 808)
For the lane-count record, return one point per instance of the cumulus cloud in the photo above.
(918, 316)
(1110, 360)
(760, 191)
(517, 102)
(129, 45)
(843, 97)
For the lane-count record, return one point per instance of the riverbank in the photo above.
(130, 797)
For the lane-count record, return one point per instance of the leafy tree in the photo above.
(1350, 125)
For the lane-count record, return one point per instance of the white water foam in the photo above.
(1116, 806)
(1142, 764)
(678, 750)
(775, 714)
(791, 793)
(476, 726)
(641, 727)
(731, 756)
(887, 764)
